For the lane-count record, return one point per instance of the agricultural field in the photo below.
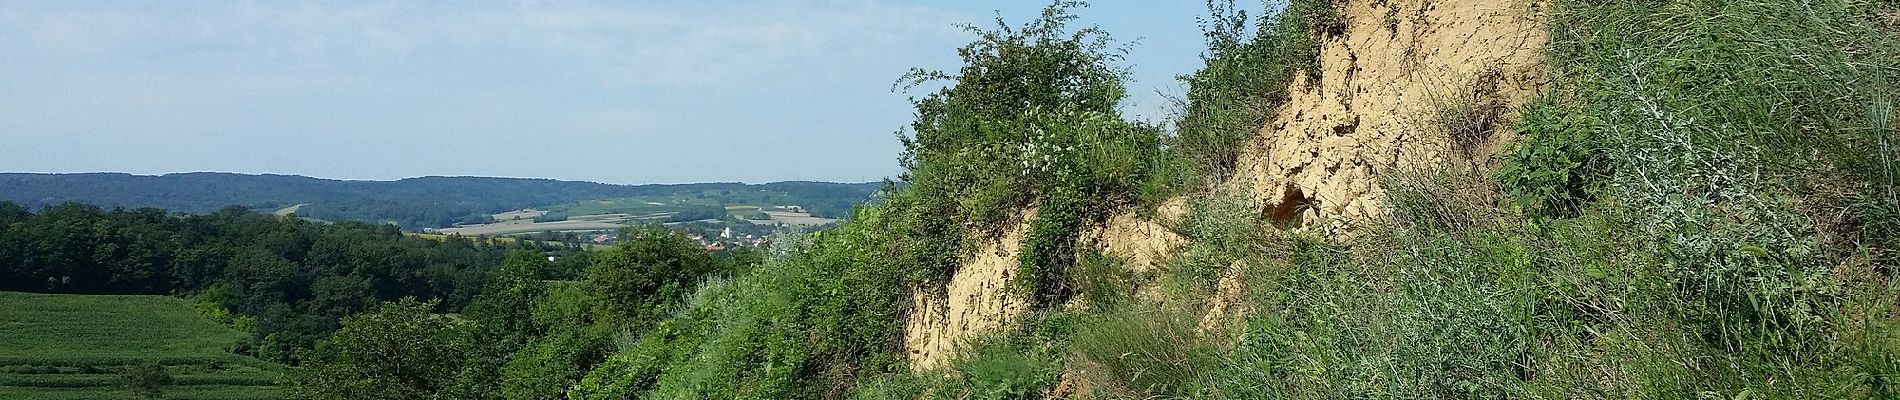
(289, 210)
(613, 214)
(731, 198)
(511, 229)
(65, 346)
(792, 218)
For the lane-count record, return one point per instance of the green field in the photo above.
(736, 200)
(62, 346)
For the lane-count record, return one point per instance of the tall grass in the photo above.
(1659, 239)
(1691, 271)
(1146, 349)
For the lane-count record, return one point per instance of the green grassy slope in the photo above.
(56, 346)
(1703, 207)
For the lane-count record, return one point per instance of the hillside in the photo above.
(1359, 199)
(412, 203)
(55, 346)
(1364, 199)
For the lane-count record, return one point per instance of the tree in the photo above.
(504, 318)
(639, 279)
(401, 351)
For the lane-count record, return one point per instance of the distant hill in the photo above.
(432, 201)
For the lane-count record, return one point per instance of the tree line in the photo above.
(287, 281)
(364, 311)
(413, 203)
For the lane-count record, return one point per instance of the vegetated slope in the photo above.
(55, 346)
(1689, 209)
(1698, 204)
(1383, 74)
(433, 201)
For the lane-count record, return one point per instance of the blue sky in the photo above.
(618, 92)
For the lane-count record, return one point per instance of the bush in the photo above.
(400, 351)
(641, 278)
(1243, 78)
(817, 314)
(1002, 370)
(1011, 115)
(1557, 167)
(146, 381)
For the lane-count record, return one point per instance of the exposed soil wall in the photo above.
(1387, 82)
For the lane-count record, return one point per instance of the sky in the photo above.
(614, 92)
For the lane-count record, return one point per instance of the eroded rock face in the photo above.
(976, 300)
(1408, 83)
(1375, 109)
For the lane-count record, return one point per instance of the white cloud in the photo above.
(647, 44)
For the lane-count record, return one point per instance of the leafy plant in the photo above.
(1558, 165)
(146, 381)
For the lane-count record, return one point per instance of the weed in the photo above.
(1558, 166)
(1153, 351)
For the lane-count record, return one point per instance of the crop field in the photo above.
(289, 210)
(63, 346)
(794, 219)
(672, 202)
(510, 229)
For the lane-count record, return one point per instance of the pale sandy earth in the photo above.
(1383, 78)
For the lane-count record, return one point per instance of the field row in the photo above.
(202, 392)
(63, 346)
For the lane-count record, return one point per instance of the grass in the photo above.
(175, 393)
(57, 346)
(1657, 234)
(1655, 246)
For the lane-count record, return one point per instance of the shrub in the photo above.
(1557, 167)
(146, 381)
(1246, 69)
(817, 314)
(988, 138)
(639, 279)
(400, 351)
(1003, 370)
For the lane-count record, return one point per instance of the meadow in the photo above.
(63, 346)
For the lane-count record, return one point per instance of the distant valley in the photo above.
(436, 202)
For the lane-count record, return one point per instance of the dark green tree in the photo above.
(640, 278)
(504, 322)
(401, 351)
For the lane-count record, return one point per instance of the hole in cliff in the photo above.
(1286, 213)
(1346, 128)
